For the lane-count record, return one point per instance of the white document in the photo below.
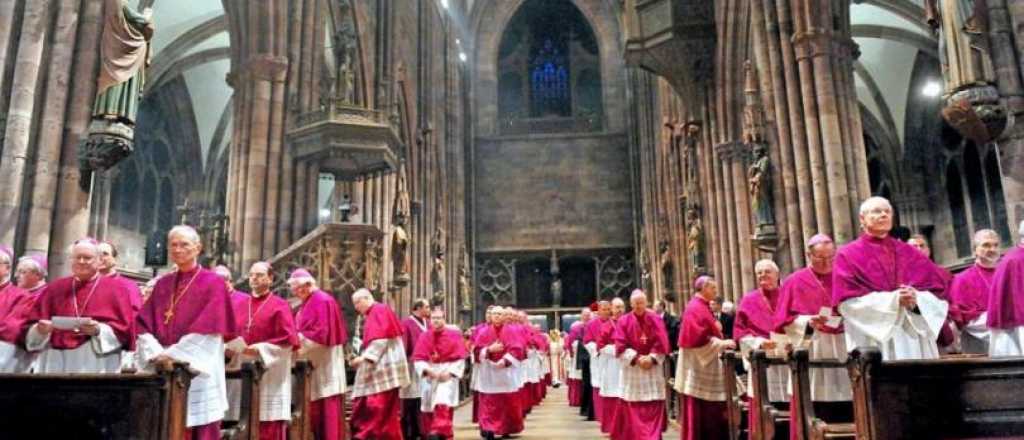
(69, 322)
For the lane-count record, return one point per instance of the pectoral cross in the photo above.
(167, 316)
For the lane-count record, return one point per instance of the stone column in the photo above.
(18, 132)
(1007, 48)
(51, 131)
(72, 203)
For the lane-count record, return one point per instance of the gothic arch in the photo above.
(488, 22)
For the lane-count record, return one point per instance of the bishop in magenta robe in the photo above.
(102, 313)
(641, 345)
(382, 370)
(1006, 303)
(969, 291)
(499, 350)
(268, 333)
(888, 292)
(322, 337)
(187, 318)
(413, 326)
(440, 361)
(15, 306)
(700, 378)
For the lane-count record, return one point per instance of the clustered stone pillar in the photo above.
(805, 52)
(43, 44)
(1007, 48)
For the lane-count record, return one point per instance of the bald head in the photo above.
(362, 299)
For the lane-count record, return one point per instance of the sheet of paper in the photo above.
(834, 321)
(780, 340)
(68, 322)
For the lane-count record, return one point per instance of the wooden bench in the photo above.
(807, 424)
(302, 390)
(96, 406)
(936, 399)
(736, 409)
(770, 417)
(248, 425)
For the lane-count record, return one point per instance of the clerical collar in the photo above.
(33, 289)
(985, 268)
(258, 295)
(94, 277)
(873, 238)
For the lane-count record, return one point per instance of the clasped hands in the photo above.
(645, 362)
(442, 376)
(908, 296)
(91, 328)
(496, 347)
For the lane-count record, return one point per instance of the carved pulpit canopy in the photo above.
(674, 39)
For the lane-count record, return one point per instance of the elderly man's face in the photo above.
(877, 219)
(767, 278)
(85, 261)
(585, 315)
(822, 256)
(183, 251)
(618, 308)
(604, 310)
(27, 275)
(987, 250)
(638, 304)
(437, 320)
(302, 290)
(362, 304)
(710, 290)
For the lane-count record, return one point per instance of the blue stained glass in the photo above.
(549, 82)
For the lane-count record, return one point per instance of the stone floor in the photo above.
(554, 419)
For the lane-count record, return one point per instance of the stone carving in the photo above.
(753, 112)
(399, 236)
(759, 176)
(124, 55)
(695, 239)
(344, 41)
(556, 283)
(972, 100)
(465, 284)
(437, 274)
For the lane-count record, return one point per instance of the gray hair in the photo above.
(35, 266)
(184, 231)
(982, 234)
(872, 201)
(362, 293)
(637, 293)
(766, 264)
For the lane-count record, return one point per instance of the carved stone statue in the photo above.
(399, 236)
(760, 179)
(695, 239)
(972, 100)
(465, 283)
(345, 54)
(692, 130)
(964, 51)
(124, 55)
(438, 273)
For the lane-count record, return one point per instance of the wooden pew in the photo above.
(772, 419)
(300, 428)
(936, 399)
(248, 425)
(735, 407)
(96, 406)
(811, 426)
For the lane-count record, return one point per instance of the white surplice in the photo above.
(570, 368)
(101, 354)
(975, 335)
(207, 395)
(878, 320)
(1006, 342)
(434, 392)
(387, 368)
(699, 372)
(328, 378)
(497, 379)
(827, 384)
(611, 373)
(637, 384)
(596, 364)
(778, 375)
(14, 359)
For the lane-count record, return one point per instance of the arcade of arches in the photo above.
(541, 153)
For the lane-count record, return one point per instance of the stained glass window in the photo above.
(549, 81)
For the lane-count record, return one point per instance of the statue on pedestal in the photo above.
(695, 239)
(438, 273)
(759, 176)
(124, 55)
(465, 283)
(399, 236)
(972, 99)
